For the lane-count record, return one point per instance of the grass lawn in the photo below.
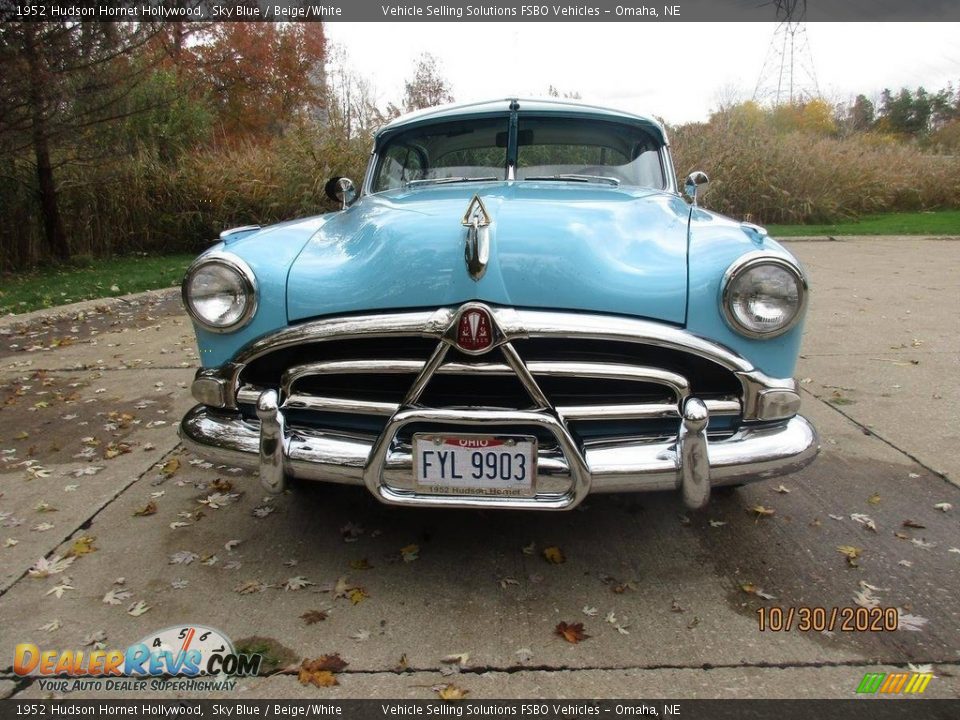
(22, 292)
(941, 222)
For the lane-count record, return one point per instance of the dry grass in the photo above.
(140, 204)
(803, 177)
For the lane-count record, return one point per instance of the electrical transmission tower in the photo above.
(788, 74)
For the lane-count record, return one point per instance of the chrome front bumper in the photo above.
(772, 439)
(689, 463)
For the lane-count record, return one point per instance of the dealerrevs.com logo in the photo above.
(173, 658)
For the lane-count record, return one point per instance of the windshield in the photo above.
(581, 150)
(546, 148)
(470, 149)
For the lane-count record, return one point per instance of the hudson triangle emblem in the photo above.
(477, 250)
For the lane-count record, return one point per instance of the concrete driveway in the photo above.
(90, 463)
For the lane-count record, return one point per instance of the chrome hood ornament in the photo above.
(477, 251)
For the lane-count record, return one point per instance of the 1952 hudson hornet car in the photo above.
(516, 309)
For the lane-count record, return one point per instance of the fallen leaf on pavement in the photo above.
(554, 555)
(906, 621)
(149, 509)
(357, 595)
(82, 546)
(312, 617)
(361, 635)
(782, 489)
(60, 588)
(865, 598)
(250, 586)
(864, 520)
(296, 583)
(762, 511)
(851, 553)
(451, 693)
(944, 506)
(409, 553)
(97, 637)
(317, 678)
(116, 596)
(183, 557)
(571, 632)
(361, 564)
(455, 659)
(138, 608)
(752, 589)
(331, 663)
(874, 499)
(44, 568)
(913, 524)
(170, 467)
(590, 611)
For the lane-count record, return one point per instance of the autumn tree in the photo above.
(861, 115)
(263, 75)
(58, 82)
(427, 87)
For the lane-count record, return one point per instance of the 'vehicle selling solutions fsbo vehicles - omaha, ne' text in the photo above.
(516, 308)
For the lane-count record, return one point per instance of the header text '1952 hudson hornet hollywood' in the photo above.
(516, 309)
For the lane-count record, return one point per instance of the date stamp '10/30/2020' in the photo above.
(823, 619)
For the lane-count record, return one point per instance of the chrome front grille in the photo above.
(603, 388)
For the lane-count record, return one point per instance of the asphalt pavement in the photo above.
(142, 535)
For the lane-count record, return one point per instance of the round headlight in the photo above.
(763, 296)
(220, 292)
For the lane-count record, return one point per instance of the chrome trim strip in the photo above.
(299, 401)
(317, 403)
(225, 234)
(347, 367)
(549, 368)
(618, 412)
(751, 454)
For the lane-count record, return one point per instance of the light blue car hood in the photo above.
(552, 245)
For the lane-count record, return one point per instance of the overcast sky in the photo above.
(677, 71)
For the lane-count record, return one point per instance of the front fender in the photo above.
(715, 243)
(269, 253)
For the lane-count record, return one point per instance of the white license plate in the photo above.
(475, 464)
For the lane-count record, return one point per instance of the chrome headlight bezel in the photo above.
(749, 262)
(246, 283)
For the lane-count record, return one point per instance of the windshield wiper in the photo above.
(446, 180)
(572, 177)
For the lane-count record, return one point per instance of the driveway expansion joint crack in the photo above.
(870, 431)
(85, 523)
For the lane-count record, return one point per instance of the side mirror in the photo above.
(695, 181)
(341, 190)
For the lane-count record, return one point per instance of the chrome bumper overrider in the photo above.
(691, 463)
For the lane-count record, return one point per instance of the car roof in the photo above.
(525, 105)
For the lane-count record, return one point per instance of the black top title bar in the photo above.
(482, 10)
